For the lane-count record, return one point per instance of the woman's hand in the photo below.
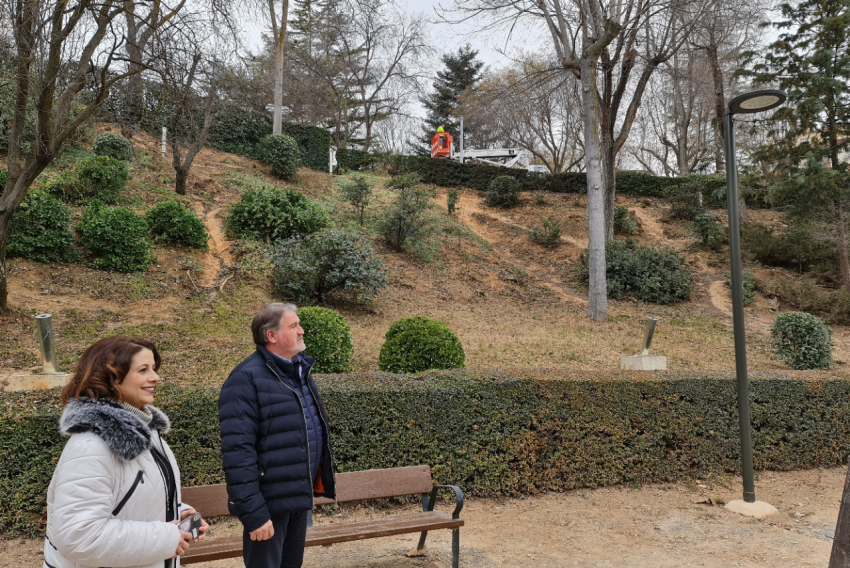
(185, 542)
(204, 526)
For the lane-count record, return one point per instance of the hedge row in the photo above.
(492, 434)
(478, 176)
(241, 132)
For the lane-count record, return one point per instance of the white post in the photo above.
(163, 139)
(461, 140)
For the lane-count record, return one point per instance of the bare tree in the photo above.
(534, 105)
(613, 47)
(62, 47)
(191, 73)
(384, 46)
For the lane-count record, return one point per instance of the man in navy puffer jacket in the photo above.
(275, 442)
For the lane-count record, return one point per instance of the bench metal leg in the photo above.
(456, 548)
(422, 538)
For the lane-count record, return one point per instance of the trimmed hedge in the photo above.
(492, 434)
(314, 143)
(351, 159)
(41, 229)
(328, 339)
(241, 132)
(418, 344)
(478, 176)
(173, 223)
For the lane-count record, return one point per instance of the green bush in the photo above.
(358, 192)
(806, 296)
(685, 200)
(313, 142)
(549, 233)
(100, 178)
(624, 224)
(118, 238)
(503, 192)
(802, 340)
(350, 159)
(240, 131)
(750, 286)
(272, 214)
(509, 434)
(172, 223)
(404, 224)
(708, 231)
(41, 229)
(328, 339)
(113, 145)
(64, 187)
(329, 263)
(4, 177)
(418, 344)
(655, 275)
(797, 249)
(452, 198)
(282, 154)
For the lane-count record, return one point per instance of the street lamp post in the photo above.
(756, 101)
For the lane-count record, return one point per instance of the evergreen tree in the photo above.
(811, 62)
(462, 72)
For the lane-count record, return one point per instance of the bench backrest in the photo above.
(211, 500)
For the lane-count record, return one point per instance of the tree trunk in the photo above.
(719, 106)
(181, 175)
(841, 239)
(597, 300)
(277, 119)
(840, 557)
(5, 221)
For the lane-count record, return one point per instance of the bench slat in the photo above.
(208, 500)
(330, 534)
(381, 483)
(211, 500)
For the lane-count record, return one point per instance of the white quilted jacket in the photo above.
(106, 501)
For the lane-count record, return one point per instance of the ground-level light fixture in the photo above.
(756, 101)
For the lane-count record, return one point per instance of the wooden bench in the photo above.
(211, 501)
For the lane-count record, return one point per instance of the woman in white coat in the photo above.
(114, 499)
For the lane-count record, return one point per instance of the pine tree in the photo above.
(463, 71)
(812, 64)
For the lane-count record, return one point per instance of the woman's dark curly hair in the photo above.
(105, 364)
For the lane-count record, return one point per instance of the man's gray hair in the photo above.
(269, 319)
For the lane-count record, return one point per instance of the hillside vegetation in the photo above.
(514, 303)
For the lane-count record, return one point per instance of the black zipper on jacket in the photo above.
(139, 479)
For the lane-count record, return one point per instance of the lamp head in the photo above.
(757, 101)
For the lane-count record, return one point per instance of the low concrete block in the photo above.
(758, 509)
(33, 382)
(643, 363)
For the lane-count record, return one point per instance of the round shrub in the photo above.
(41, 229)
(101, 178)
(328, 339)
(118, 238)
(173, 223)
(282, 154)
(113, 145)
(272, 214)
(331, 262)
(503, 192)
(418, 344)
(802, 340)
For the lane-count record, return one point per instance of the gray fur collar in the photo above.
(123, 433)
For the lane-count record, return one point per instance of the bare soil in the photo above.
(655, 526)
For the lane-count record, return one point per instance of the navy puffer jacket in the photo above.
(264, 441)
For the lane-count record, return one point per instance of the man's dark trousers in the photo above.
(284, 550)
